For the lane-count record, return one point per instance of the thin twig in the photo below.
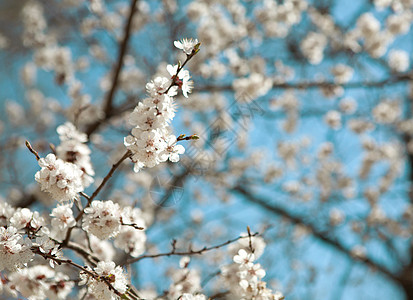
(107, 177)
(60, 261)
(85, 195)
(83, 252)
(96, 192)
(180, 67)
(278, 210)
(320, 84)
(189, 252)
(134, 226)
(29, 146)
(182, 137)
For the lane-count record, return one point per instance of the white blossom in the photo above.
(187, 45)
(172, 150)
(187, 296)
(158, 86)
(48, 246)
(113, 274)
(32, 282)
(244, 278)
(61, 179)
(398, 60)
(342, 73)
(62, 219)
(74, 150)
(130, 239)
(6, 212)
(244, 258)
(183, 79)
(348, 105)
(399, 23)
(23, 218)
(257, 243)
(249, 88)
(313, 46)
(14, 250)
(151, 141)
(102, 219)
(333, 119)
(386, 112)
(368, 24)
(185, 281)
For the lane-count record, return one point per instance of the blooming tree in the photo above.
(269, 154)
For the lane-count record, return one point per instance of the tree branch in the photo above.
(122, 51)
(123, 46)
(173, 252)
(320, 84)
(273, 208)
(95, 193)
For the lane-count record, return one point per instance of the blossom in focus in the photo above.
(24, 218)
(102, 219)
(183, 79)
(62, 219)
(61, 179)
(151, 140)
(172, 150)
(187, 45)
(244, 258)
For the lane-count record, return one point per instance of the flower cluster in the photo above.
(62, 220)
(22, 231)
(151, 141)
(6, 212)
(376, 39)
(59, 178)
(107, 272)
(398, 60)
(252, 87)
(289, 103)
(14, 249)
(23, 218)
(185, 281)
(342, 73)
(313, 46)
(244, 278)
(187, 296)
(130, 239)
(387, 112)
(39, 282)
(73, 149)
(278, 18)
(102, 219)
